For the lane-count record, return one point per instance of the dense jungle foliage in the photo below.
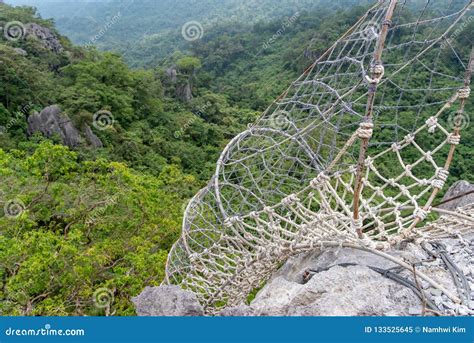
(104, 218)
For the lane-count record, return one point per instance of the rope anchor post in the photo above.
(366, 127)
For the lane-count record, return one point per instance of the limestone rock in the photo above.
(50, 122)
(172, 74)
(167, 301)
(458, 188)
(93, 140)
(338, 291)
(237, 311)
(184, 92)
(48, 38)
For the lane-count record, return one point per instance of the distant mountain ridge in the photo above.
(140, 20)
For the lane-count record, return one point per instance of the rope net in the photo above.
(354, 152)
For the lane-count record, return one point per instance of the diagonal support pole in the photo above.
(376, 75)
(456, 132)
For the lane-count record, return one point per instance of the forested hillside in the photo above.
(153, 27)
(92, 210)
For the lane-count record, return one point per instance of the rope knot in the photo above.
(454, 139)
(253, 215)
(356, 224)
(442, 176)
(464, 92)
(404, 190)
(421, 214)
(377, 69)
(318, 180)
(424, 182)
(409, 138)
(437, 183)
(268, 210)
(432, 123)
(365, 130)
(193, 257)
(290, 200)
(228, 222)
(367, 242)
(248, 236)
(396, 147)
(429, 156)
(377, 72)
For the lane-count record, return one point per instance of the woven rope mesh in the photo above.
(287, 183)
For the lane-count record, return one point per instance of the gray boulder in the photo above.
(237, 311)
(184, 92)
(93, 140)
(50, 122)
(167, 301)
(457, 189)
(48, 38)
(172, 74)
(342, 284)
(339, 291)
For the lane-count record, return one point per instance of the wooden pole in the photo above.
(456, 132)
(375, 77)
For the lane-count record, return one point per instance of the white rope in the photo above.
(286, 185)
(378, 72)
(432, 123)
(454, 139)
(464, 93)
(365, 130)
